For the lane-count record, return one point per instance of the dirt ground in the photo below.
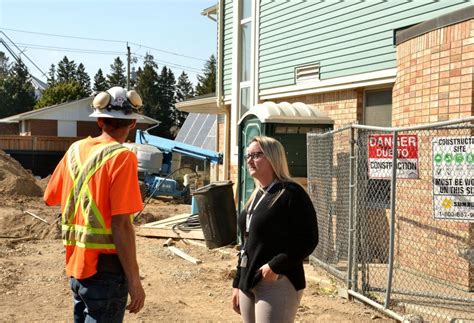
(33, 285)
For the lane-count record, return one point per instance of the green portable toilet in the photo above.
(287, 122)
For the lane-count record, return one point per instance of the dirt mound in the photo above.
(15, 180)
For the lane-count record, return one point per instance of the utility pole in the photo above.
(129, 58)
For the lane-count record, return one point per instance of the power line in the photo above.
(63, 36)
(94, 51)
(68, 49)
(164, 51)
(91, 51)
(188, 68)
(103, 40)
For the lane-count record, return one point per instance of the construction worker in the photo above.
(96, 184)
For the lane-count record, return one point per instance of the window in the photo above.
(245, 48)
(245, 52)
(378, 108)
(244, 100)
(378, 112)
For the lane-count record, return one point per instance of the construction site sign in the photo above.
(380, 149)
(453, 178)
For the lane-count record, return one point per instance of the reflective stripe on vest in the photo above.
(93, 234)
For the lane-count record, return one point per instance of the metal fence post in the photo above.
(350, 276)
(393, 188)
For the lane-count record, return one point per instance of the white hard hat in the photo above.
(117, 103)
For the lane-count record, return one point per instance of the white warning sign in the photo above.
(453, 178)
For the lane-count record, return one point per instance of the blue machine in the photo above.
(157, 184)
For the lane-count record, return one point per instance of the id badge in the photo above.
(243, 260)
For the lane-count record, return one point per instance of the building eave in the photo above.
(204, 105)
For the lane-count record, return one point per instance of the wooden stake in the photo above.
(36, 217)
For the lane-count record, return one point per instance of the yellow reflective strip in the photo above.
(89, 245)
(83, 229)
(92, 171)
(70, 166)
(80, 174)
(95, 210)
(76, 152)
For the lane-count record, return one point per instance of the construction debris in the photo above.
(168, 228)
(35, 216)
(184, 255)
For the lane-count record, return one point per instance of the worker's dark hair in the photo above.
(117, 123)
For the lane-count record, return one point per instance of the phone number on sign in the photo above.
(457, 215)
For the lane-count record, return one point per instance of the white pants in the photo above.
(275, 301)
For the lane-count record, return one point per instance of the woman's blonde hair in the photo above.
(275, 153)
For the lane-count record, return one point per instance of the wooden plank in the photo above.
(169, 233)
(171, 220)
(184, 255)
(164, 229)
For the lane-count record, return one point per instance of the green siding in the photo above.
(227, 48)
(345, 37)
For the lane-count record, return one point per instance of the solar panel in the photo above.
(199, 130)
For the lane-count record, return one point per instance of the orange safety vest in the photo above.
(82, 222)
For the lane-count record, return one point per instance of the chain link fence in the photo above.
(401, 237)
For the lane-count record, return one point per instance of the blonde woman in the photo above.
(278, 231)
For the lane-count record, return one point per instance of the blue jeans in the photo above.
(100, 298)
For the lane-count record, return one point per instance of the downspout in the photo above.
(219, 89)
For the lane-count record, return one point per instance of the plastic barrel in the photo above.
(217, 213)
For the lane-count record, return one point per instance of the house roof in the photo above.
(78, 110)
(199, 130)
(284, 112)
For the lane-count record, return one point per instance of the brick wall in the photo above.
(221, 145)
(434, 83)
(42, 127)
(435, 76)
(344, 107)
(9, 129)
(87, 128)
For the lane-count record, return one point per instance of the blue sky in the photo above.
(166, 26)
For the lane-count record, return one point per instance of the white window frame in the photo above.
(237, 85)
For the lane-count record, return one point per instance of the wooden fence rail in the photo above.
(36, 143)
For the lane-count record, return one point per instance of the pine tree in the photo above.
(100, 83)
(66, 70)
(17, 94)
(4, 66)
(147, 86)
(117, 74)
(184, 91)
(52, 75)
(83, 79)
(207, 83)
(166, 101)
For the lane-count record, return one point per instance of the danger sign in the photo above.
(381, 153)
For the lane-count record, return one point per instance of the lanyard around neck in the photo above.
(252, 208)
